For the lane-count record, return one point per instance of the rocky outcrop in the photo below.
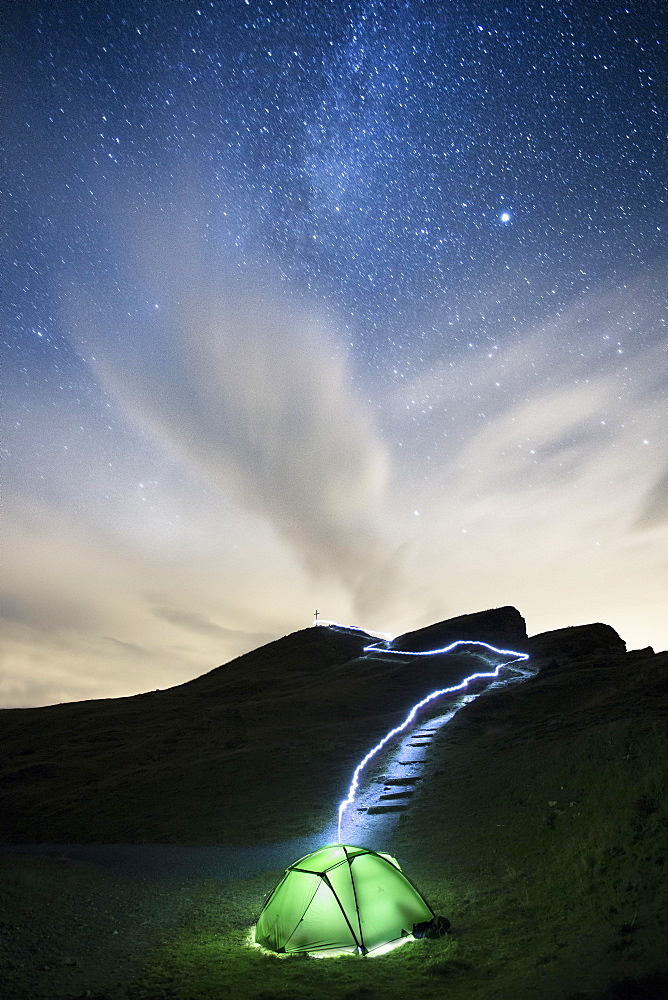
(501, 627)
(575, 642)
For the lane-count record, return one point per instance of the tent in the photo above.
(342, 898)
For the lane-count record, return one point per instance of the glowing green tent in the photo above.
(341, 898)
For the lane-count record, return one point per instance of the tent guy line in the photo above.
(379, 647)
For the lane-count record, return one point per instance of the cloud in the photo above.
(517, 475)
(258, 396)
(78, 608)
(544, 461)
(654, 509)
(131, 648)
(195, 622)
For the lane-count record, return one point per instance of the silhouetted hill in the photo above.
(539, 825)
(262, 748)
(501, 627)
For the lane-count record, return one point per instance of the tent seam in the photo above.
(342, 908)
(357, 908)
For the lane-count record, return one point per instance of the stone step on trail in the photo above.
(377, 815)
(376, 810)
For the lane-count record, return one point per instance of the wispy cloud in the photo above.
(258, 395)
(529, 474)
(195, 622)
(544, 460)
(654, 509)
(78, 609)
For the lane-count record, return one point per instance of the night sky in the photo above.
(357, 306)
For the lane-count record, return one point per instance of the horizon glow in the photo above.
(256, 352)
(517, 658)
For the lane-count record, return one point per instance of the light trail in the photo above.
(374, 647)
(355, 628)
(446, 649)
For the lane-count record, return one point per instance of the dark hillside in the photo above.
(539, 825)
(543, 816)
(258, 749)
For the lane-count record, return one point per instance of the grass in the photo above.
(211, 957)
(547, 850)
(540, 829)
(550, 866)
(176, 766)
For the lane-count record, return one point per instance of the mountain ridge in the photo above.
(262, 746)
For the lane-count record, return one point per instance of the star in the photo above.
(270, 250)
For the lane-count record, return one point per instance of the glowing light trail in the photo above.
(355, 628)
(517, 658)
(446, 649)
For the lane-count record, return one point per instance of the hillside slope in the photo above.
(256, 750)
(540, 826)
(543, 819)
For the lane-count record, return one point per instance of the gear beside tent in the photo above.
(340, 898)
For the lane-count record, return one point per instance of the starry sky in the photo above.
(356, 306)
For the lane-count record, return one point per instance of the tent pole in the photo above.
(352, 931)
(357, 909)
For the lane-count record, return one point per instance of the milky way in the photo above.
(350, 305)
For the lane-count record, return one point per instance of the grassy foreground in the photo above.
(551, 870)
(545, 841)
(540, 829)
